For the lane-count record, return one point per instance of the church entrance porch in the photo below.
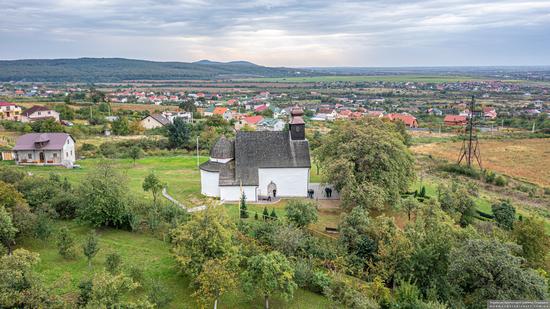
(272, 190)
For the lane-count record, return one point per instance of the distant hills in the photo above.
(120, 69)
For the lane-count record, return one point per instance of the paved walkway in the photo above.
(177, 203)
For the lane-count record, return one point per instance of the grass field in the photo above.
(149, 254)
(526, 159)
(347, 78)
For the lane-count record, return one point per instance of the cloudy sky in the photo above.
(282, 32)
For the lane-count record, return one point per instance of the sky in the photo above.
(301, 33)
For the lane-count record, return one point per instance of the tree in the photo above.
(110, 291)
(121, 126)
(113, 262)
(188, 106)
(17, 207)
(217, 277)
(269, 274)
(153, 184)
(7, 230)
(208, 235)
(158, 294)
(301, 213)
(43, 227)
(179, 133)
(273, 215)
(65, 243)
(410, 204)
(242, 207)
(91, 246)
(104, 198)
(487, 269)
(505, 214)
(530, 234)
(366, 157)
(19, 287)
(135, 153)
(265, 213)
(456, 200)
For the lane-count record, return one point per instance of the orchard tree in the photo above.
(217, 277)
(7, 230)
(366, 160)
(269, 274)
(530, 234)
(302, 213)
(65, 243)
(112, 291)
(152, 184)
(505, 214)
(207, 236)
(179, 133)
(410, 205)
(121, 126)
(135, 153)
(91, 246)
(481, 269)
(15, 204)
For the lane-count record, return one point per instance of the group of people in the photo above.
(311, 192)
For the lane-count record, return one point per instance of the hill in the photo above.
(120, 69)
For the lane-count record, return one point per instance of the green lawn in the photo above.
(146, 252)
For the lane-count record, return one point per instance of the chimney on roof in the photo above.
(297, 124)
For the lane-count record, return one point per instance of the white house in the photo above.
(36, 113)
(45, 149)
(259, 164)
(154, 121)
(10, 111)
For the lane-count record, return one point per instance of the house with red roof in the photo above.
(224, 112)
(344, 113)
(10, 111)
(489, 113)
(375, 114)
(409, 120)
(249, 121)
(455, 120)
(260, 108)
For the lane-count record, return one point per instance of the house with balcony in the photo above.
(45, 149)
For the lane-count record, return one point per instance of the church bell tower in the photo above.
(297, 125)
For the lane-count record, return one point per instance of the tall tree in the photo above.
(270, 274)
(135, 153)
(65, 243)
(90, 246)
(530, 234)
(179, 133)
(410, 204)
(366, 160)
(208, 235)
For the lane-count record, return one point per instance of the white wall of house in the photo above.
(210, 183)
(233, 193)
(291, 182)
(65, 156)
(68, 156)
(41, 115)
(149, 123)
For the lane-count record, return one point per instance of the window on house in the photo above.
(71, 152)
(66, 154)
(49, 112)
(29, 155)
(55, 155)
(39, 113)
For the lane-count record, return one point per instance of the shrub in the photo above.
(461, 170)
(301, 213)
(501, 181)
(65, 244)
(490, 176)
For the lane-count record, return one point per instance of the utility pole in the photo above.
(469, 150)
(197, 151)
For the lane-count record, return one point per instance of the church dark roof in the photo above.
(223, 149)
(260, 149)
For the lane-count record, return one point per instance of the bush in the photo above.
(65, 244)
(490, 177)
(113, 263)
(301, 213)
(461, 170)
(501, 181)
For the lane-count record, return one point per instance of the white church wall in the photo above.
(210, 183)
(292, 182)
(233, 193)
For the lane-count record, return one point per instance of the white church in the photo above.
(260, 164)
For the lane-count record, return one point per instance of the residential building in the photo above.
(37, 112)
(455, 120)
(10, 111)
(45, 149)
(154, 121)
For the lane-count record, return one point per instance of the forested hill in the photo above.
(119, 69)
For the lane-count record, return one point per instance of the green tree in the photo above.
(217, 277)
(487, 269)
(7, 230)
(65, 243)
(505, 214)
(269, 274)
(273, 215)
(111, 291)
(121, 126)
(302, 213)
(179, 133)
(15, 204)
(208, 235)
(366, 161)
(410, 204)
(265, 213)
(91, 246)
(104, 198)
(43, 226)
(135, 153)
(152, 184)
(530, 234)
(243, 208)
(19, 286)
(113, 261)
(158, 294)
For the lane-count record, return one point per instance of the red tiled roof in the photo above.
(407, 119)
(6, 104)
(219, 110)
(260, 108)
(253, 119)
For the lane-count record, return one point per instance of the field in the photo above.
(386, 78)
(526, 159)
